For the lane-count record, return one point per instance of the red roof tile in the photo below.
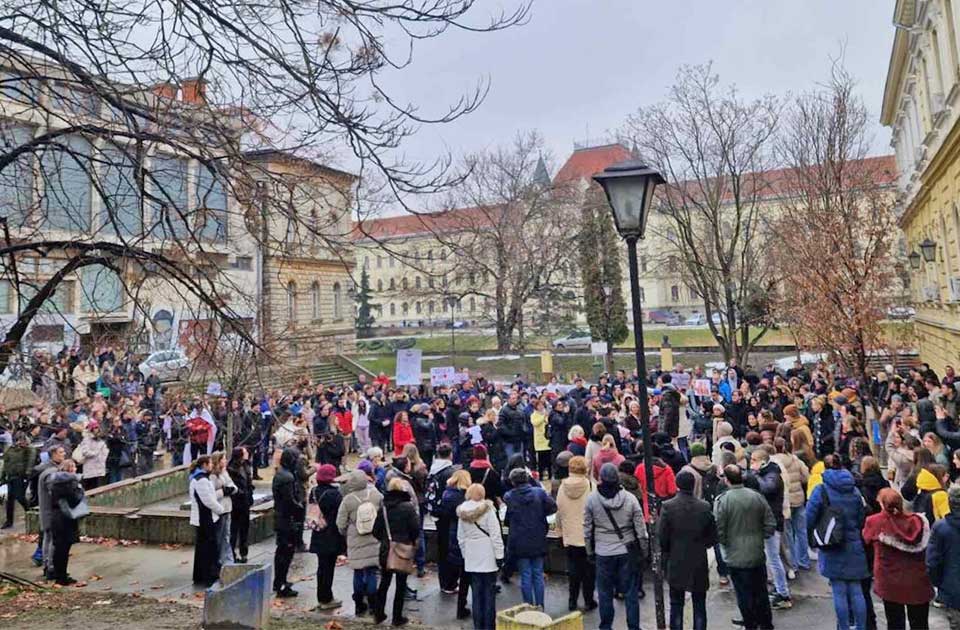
(585, 163)
(411, 224)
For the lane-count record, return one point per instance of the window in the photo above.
(211, 201)
(337, 301)
(674, 293)
(66, 181)
(473, 304)
(404, 308)
(101, 290)
(404, 283)
(393, 284)
(244, 263)
(392, 262)
(430, 254)
(430, 307)
(168, 183)
(417, 282)
(61, 303)
(366, 262)
(642, 298)
(73, 101)
(430, 282)
(418, 307)
(692, 292)
(6, 295)
(459, 305)
(120, 195)
(16, 180)
(379, 262)
(292, 303)
(473, 278)
(393, 308)
(643, 264)
(315, 300)
(379, 284)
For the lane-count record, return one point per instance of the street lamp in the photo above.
(629, 188)
(915, 261)
(928, 249)
(452, 301)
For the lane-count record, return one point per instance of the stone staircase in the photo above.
(333, 371)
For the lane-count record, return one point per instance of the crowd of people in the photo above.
(766, 469)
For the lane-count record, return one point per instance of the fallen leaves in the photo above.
(80, 585)
(103, 602)
(333, 625)
(27, 538)
(171, 546)
(94, 578)
(103, 541)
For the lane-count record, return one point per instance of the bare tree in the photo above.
(836, 236)
(513, 234)
(130, 137)
(713, 146)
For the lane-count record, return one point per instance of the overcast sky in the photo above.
(579, 67)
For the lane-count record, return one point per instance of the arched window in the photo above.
(393, 284)
(416, 282)
(430, 307)
(693, 293)
(315, 300)
(674, 293)
(430, 255)
(337, 301)
(393, 308)
(404, 284)
(404, 308)
(473, 304)
(379, 284)
(430, 282)
(292, 303)
(418, 307)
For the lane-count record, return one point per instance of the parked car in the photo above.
(456, 324)
(901, 312)
(697, 319)
(576, 339)
(171, 365)
(670, 318)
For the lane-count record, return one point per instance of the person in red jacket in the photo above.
(402, 432)
(899, 542)
(344, 419)
(664, 480)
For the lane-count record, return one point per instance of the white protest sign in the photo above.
(598, 347)
(680, 380)
(440, 376)
(409, 365)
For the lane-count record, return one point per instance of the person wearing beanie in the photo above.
(687, 529)
(723, 434)
(615, 536)
(943, 558)
(571, 502)
(528, 507)
(326, 541)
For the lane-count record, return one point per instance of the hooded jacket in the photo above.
(943, 559)
(363, 550)
(724, 436)
(571, 503)
(328, 541)
(600, 534)
(848, 561)
(479, 537)
(931, 498)
(527, 509)
(899, 547)
(664, 483)
(288, 499)
(608, 456)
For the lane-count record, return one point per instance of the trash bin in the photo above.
(507, 620)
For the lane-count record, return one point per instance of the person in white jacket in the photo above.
(205, 512)
(481, 545)
(225, 489)
(92, 455)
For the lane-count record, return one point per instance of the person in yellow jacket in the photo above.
(816, 478)
(932, 498)
(538, 418)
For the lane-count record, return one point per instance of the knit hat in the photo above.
(480, 451)
(697, 449)
(953, 498)
(366, 466)
(724, 429)
(685, 481)
(563, 459)
(326, 473)
(609, 473)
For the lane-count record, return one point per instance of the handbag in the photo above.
(315, 520)
(399, 555)
(634, 548)
(77, 512)
(827, 532)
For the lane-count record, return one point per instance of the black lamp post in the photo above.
(452, 301)
(915, 260)
(928, 249)
(629, 187)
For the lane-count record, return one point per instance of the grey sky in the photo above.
(580, 66)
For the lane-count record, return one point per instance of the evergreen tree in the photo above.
(600, 269)
(365, 318)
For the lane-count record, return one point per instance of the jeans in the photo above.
(721, 563)
(421, 556)
(364, 581)
(847, 599)
(512, 448)
(897, 617)
(617, 574)
(16, 493)
(771, 547)
(483, 586)
(531, 580)
(677, 597)
(797, 537)
(581, 575)
(750, 586)
(223, 539)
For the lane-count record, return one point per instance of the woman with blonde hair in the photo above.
(608, 454)
(481, 545)
(571, 501)
(933, 443)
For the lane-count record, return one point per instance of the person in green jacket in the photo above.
(18, 461)
(744, 520)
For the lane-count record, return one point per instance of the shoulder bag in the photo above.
(827, 532)
(634, 548)
(399, 555)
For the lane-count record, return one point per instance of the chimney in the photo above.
(165, 90)
(194, 91)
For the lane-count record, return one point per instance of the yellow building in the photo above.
(921, 104)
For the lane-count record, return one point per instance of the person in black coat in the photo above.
(687, 529)
(288, 506)
(452, 563)
(425, 434)
(64, 486)
(325, 539)
(512, 421)
(241, 473)
(403, 520)
(331, 447)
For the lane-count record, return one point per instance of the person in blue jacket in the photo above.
(943, 558)
(527, 509)
(846, 565)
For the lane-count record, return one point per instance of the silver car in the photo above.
(171, 365)
(576, 339)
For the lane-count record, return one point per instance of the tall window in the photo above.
(693, 293)
(416, 282)
(168, 183)
(102, 290)
(643, 264)
(404, 308)
(430, 307)
(292, 303)
(642, 298)
(211, 201)
(337, 301)
(379, 262)
(120, 195)
(393, 308)
(674, 293)
(16, 180)
(473, 304)
(379, 284)
(418, 307)
(315, 300)
(393, 284)
(64, 167)
(403, 282)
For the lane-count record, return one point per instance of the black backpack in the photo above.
(436, 483)
(827, 532)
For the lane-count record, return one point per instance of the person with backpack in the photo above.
(326, 541)
(844, 560)
(943, 558)
(441, 469)
(355, 519)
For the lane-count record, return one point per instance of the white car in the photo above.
(901, 312)
(697, 319)
(576, 339)
(171, 365)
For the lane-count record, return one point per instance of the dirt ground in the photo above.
(58, 609)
